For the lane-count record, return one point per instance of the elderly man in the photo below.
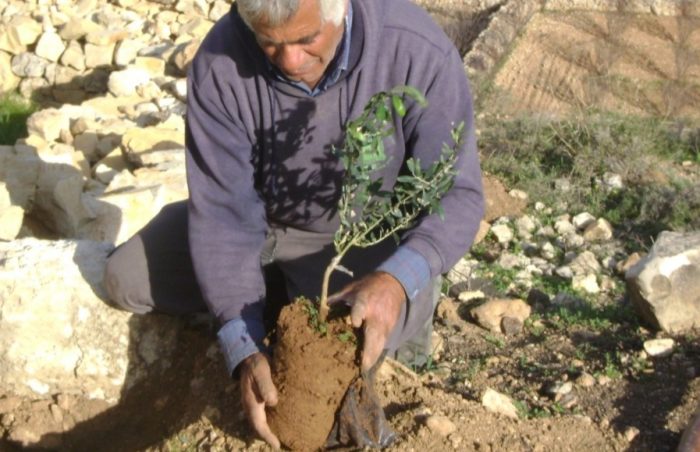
(270, 91)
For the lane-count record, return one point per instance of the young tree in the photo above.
(368, 213)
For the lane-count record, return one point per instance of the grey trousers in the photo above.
(153, 272)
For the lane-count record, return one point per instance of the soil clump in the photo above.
(313, 365)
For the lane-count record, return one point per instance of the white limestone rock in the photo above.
(48, 124)
(85, 347)
(124, 82)
(665, 285)
(11, 216)
(50, 46)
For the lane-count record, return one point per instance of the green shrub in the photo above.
(14, 112)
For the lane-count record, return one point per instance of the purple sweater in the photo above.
(259, 151)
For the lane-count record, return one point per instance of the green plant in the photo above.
(368, 212)
(530, 154)
(14, 112)
(494, 340)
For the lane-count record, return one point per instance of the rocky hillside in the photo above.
(105, 153)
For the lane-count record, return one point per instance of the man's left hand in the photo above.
(376, 302)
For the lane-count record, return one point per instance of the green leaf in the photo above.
(398, 105)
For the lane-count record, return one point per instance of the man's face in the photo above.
(303, 47)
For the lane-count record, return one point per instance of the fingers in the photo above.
(358, 313)
(266, 389)
(338, 296)
(257, 391)
(262, 429)
(374, 343)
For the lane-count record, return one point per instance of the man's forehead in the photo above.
(304, 24)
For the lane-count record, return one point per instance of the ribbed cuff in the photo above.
(410, 268)
(239, 338)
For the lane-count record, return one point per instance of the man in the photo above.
(270, 91)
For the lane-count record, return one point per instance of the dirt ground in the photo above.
(562, 62)
(566, 62)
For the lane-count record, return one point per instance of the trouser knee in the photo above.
(122, 285)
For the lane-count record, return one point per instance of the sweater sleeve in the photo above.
(443, 241)
(227, 224)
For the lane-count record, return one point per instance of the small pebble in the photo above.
(631, 433)
(441, 425)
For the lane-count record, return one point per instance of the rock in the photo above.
(8, 404)
(490, 314)
(183, 56)
(585, 263)
(470, 295)
(503, 233)
(77, 28)
(598, 231)
(563, 226)
(154, 67)
(525, 226)
(613, 181)
(74, 56)
(441, 425)
(50, 46)
(557, 390)
(19, 169)
(85, 347)
(28, 65)
(659, 347)
(631, 433)
(125, 82)
(137, 143)
(48, 124)
(9, 81)
(11, 217)
(665, 285)
(585, 380)
(548, 251)
(586, 283)
(498, 403)
(583, 220)
(96, 56)
(126, 52)
(623, 266)
(511, 326)
(447, 310)
(60, 204)
(24, 30)
(564, 272)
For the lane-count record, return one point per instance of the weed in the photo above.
(346, 336)
(315, 321)
(530, 153)
(494, 340)
(14, 112)
(612, 367)
(596, 318)
(501, 279)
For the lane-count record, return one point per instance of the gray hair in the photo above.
(277, 12)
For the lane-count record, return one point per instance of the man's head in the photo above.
(298, 36)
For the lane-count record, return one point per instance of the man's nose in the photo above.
(290, 59)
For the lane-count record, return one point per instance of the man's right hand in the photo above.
(257, 392)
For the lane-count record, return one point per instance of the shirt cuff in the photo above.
(239, 338)
(410, 268)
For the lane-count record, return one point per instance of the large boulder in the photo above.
(58, 336)
(665, 285)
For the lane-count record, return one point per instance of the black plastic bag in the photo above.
(360, 421)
